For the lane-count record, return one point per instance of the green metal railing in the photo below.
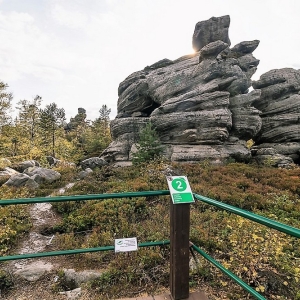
(251, 216)
(292, 231)
(243, 213)
(80, 198)
(235, 278)
(77, 251)
(84, 197)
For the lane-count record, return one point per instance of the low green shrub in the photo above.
(6, 282)
(266, 259)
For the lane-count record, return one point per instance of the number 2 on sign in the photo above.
(179, 185)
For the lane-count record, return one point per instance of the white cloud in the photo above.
(29, 50)
(78, 51)
(13, 27)
(72, 19)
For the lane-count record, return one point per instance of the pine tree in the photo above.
(51, 120)
(5, 105)
(98, 137)
(29, 116)
(149, 146)
(103, 119)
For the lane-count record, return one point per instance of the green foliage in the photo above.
(37, 132)
(12, 141)
(264, 258)
(5, 105)
(6, 281)
(29, 117)
(51, 120)
(98, 137)
(104, 112)
(148, 146)
(145, 270)
(14, 220)
(89, 138)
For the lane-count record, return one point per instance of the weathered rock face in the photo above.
(77, 120)
(199, 104)
(211, 30)
(93, 163)
(267, 155)
(280, 106)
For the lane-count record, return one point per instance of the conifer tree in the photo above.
(98, 137)
(5, 105)
(51, 120)
(104, 112)
(149, 146)
(29, 116)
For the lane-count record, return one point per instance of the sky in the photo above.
(76, 52)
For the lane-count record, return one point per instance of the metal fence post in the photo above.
(179, 243)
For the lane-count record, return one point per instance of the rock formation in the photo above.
(214, 29)
(32, 176)
(199, 104)
(92, 163)
(77, 120)
(280, 106)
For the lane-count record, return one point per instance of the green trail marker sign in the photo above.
(180, 189)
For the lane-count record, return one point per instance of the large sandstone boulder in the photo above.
(18, 180)
(73, 279)
(199, 104)
(22, 166)
(93, 163)
(34, 271)
(32, 177)
(42, 174)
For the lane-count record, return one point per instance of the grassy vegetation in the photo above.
(267, 260)
(14, 219)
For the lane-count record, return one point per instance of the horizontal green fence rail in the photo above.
(84, 197)
(295, 232)
(251, 216)
(77, 251)
(239, 281)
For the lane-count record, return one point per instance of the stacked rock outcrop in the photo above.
(199, 104)
(280, 106)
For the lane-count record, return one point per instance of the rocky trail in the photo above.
(42, 215)
(35, 278)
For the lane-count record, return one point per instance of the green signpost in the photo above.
(180, 189)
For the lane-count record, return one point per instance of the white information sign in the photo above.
(126, 244)
(180, 189)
